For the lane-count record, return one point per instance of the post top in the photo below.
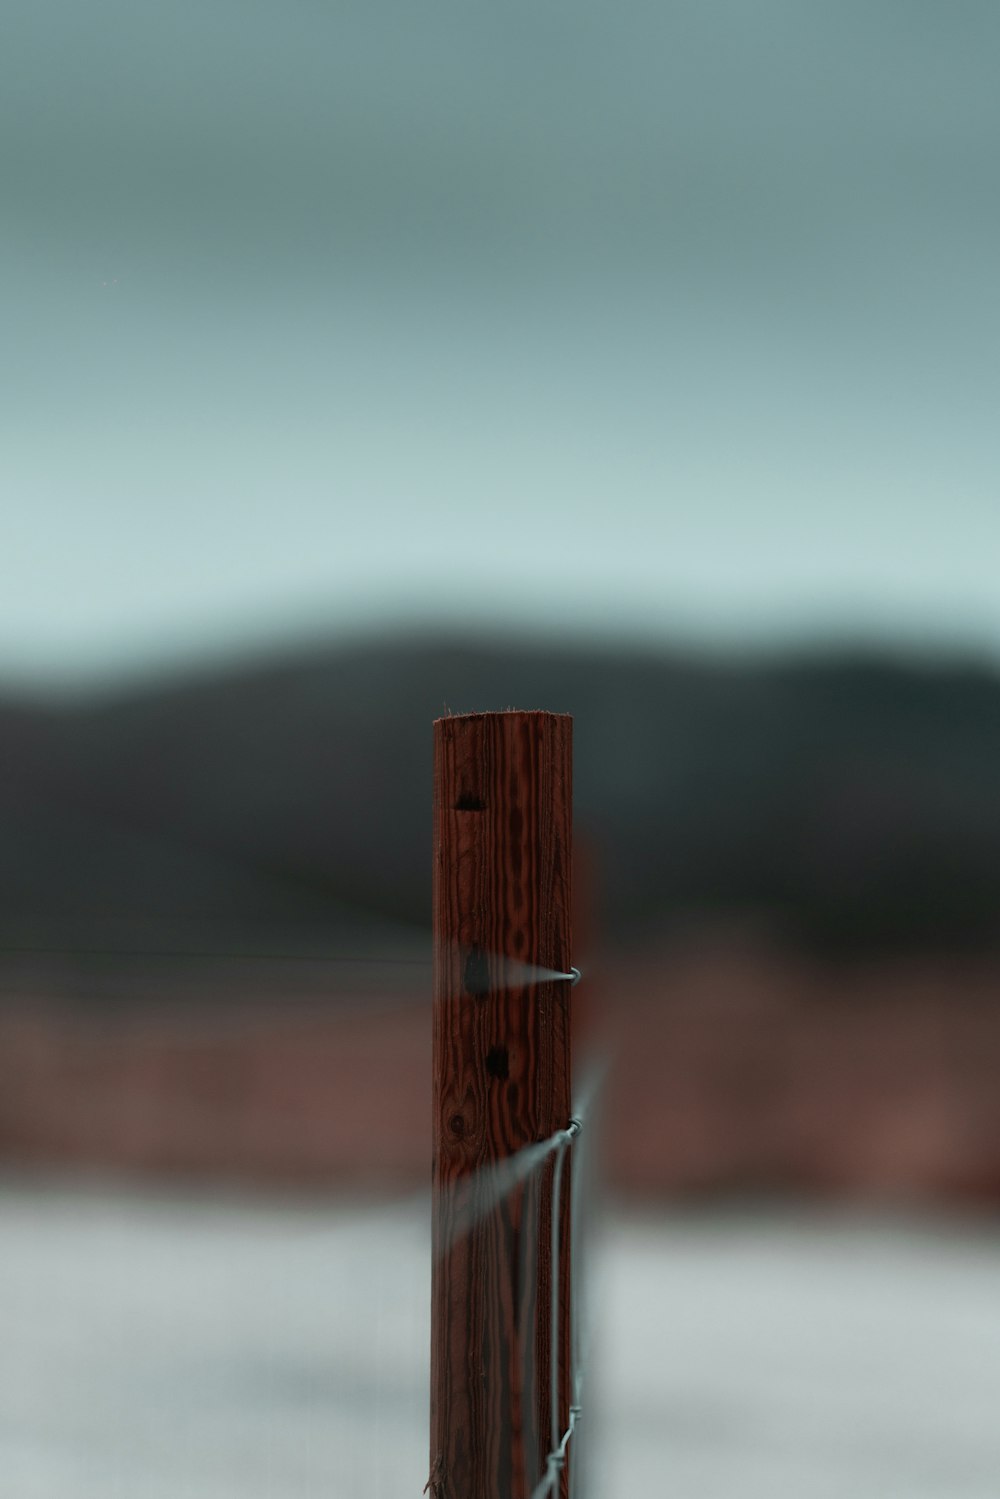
(456, 718)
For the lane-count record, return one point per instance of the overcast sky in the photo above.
(670, 319)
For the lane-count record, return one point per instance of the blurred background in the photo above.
(366, 362)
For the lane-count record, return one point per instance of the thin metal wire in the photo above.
(528, 1240)
(554, 1309)
(529, 975)
(250, 956)
(496, 1182)
(577, 1281)
(556, 1459)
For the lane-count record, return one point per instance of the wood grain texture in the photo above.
(502, 900)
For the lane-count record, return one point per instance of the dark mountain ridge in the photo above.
(845, 803)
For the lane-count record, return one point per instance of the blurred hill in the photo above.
(842, 804)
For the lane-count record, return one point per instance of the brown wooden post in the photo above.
(502, 905)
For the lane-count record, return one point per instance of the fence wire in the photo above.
(522, 1168)
(556, 1459)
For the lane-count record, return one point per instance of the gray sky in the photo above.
(645, 319)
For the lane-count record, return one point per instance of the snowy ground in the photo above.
(164, 1349)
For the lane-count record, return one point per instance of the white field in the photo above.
(159, 1348)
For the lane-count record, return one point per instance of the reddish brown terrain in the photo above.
(736, 1070)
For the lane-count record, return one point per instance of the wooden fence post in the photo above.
(502, 908)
